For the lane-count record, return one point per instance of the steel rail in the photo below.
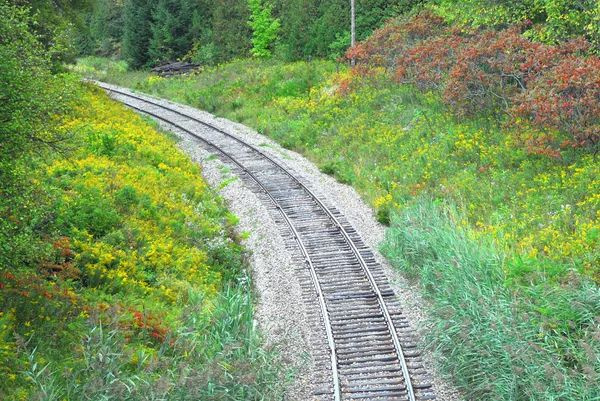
(356, 252)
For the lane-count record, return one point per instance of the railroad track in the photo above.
(366, 348)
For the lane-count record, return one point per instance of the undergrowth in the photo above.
(499, 341)
(140, 289)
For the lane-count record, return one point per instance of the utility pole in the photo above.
(352, 28)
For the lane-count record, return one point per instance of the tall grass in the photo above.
(108, 70)
(237, 90)
(215, 357)
(499, 342)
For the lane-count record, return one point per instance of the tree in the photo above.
(231, 33)
(553, 20)
(264, 27)
(203, 48)
(33, 104)
(105, 27)
(171, 30)
(137, 34)
(103, 33)
(220, 30)
(297, 17)
(312, 28)
(56, 23)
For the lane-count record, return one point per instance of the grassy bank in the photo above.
(137, 287)
(498, 340)
(509, 254)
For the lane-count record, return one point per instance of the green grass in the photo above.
(509, 252)
(216, 356)
(499, 342)
(235, 90)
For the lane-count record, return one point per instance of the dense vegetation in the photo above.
(493, 202)
(496, 73)
(121, 276)
(213, 31)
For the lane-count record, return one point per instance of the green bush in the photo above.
(554, 20)
(34, 103)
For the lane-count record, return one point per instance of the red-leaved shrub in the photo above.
(427, 64)
(495, 72)
(386, 44)
(566, 97)
(492, 68)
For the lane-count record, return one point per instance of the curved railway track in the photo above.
(369, 350)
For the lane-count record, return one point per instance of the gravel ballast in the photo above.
(281, 313)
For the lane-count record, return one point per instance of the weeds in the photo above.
(499, 342)
(141, 292)
(212, 355)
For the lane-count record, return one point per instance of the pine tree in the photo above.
(217, 30)
(203, 48)
(231, 33)
(106, 26)
(137, 34)
(202, 17)
(171, 30)
(312, 28)
(296, 18)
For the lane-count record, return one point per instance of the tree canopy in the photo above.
(213, 31)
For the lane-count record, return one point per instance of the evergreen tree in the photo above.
(202, 18)
(203, 48)
(297, 17)
(106, 27)
(333, 21)
(171, 30)
(231, 33)
(313, 27)
(217, 30)
(137, 33)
